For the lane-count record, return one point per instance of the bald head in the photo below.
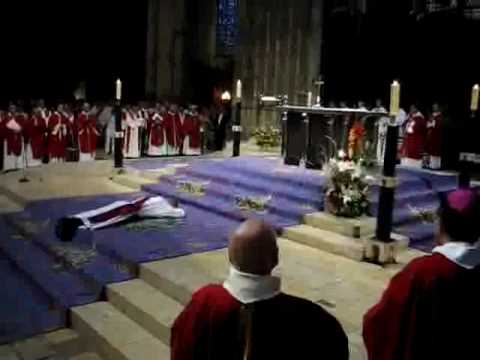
(253, 248)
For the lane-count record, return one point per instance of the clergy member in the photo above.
(157, 146)
(430, 309)
(173, 130)
(191, 131)
(57, 136)
(87, 134)
(381, 131)
(132, 124)
(248, 317)
(37, 139)
(13, 127)
(434, 138)
(415, 138)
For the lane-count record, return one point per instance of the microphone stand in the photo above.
(24, 178)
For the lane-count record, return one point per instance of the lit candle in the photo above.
(239, 90)
(475, 93)
(395, 98)
(309, 99)
(118, 90)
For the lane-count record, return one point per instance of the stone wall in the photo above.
(279, 54)
(179, 32)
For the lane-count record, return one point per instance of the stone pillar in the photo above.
(280, 53)
(165, 47)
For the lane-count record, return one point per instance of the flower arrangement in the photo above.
(267, 137)
(250, 203)
(193, 188)
(347, 190)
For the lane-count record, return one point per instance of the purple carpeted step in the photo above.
(421, 235)
(272, 169)
(25, 310)
(292, 191)
(223, 206)
(65, 288)
(278, 205)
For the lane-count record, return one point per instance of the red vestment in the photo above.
(37, 131)
(191, 128)
(57, 136)
(415, 136)
(13, 128)
(283, 327)
(87, 133)
(155, 128)
(429, 311)
(173, 129)
(434, 134)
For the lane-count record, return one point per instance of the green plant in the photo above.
(267, 137)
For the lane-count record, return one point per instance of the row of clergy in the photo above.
(420, 141)
(28, 140)
(157, 131)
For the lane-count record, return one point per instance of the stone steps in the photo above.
(178, 278)
(147, 306)
(60, 344)
(327, 241)
(114, 335)
(132, 180)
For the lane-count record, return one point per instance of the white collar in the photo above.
(463, 254)
(249, 288)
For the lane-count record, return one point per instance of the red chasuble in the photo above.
(283, 327)
(57, 136)
(156, 130)
(429, 311)
(191, 128)
(173, 129)
(87, 133)
(37, 130)
(434, 134)
(415, 136)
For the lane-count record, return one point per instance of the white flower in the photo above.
(346, 199)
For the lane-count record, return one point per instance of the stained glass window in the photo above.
(227, 26)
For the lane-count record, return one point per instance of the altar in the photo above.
(314, 134)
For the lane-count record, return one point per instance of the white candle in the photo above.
(309, 99)
(238, 93)
(475, 94)
(395, 98)
(118, 90)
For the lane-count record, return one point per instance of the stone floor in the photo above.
(344, 287)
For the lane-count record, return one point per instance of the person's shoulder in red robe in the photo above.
(284, 327)
(426, 312)
(430, 309)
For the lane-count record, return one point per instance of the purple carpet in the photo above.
(48, 284)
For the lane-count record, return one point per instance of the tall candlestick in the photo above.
(118, 90)
(475, 94)
(238, 93)
(395, 98)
